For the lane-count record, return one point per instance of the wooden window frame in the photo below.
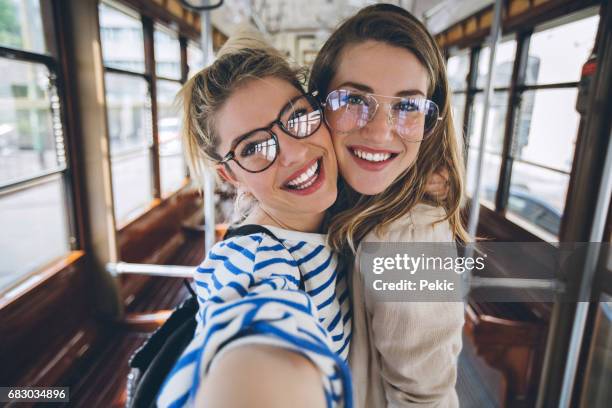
(148, 20)
(56, 61)
(515, 89)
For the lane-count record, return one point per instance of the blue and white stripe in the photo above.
(252, 289)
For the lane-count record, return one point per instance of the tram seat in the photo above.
(510, 337)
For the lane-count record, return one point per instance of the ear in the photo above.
(226, 174)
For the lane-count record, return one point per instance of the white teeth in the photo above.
(305, 177)
(373, 157)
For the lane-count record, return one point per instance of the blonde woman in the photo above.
(383, 81)
(273, 326)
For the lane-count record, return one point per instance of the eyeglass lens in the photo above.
(301, 117)
(412, 118)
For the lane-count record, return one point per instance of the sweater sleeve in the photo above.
(250, 291)
(418, 342)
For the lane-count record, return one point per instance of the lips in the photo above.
(371, 159)
(306, 180)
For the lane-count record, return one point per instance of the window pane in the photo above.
(129, 112)
(557, 54)
(458, 107)
(122, 43)
(490, 175)
(34, 229)
(172, 165)
(504, 60)
(597, 390)
(132, 182)
(31, 138)
(537, 196)
(129, 124)
(167, 53)
(547, 128)
(21, 25)
(457, 68)
(495, 124)
(195, 58)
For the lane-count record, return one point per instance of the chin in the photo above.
(366, 184)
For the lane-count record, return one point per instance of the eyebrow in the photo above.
(365, 88)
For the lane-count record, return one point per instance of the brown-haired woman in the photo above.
(387, 104)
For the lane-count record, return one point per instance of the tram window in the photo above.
(129, 121)
(458, 107)
(543, 187)
(28, 146)
(34, 181)
(490, 175)
(21, 26)
(504, 61)
(547, 128)
(557, 54)
(34, 228)
(167, 53)
(457, 68)
(498, 106)
(122, 38)
(172, 164)
(494, 146)
(195, 58)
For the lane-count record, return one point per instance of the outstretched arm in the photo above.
(260, 376)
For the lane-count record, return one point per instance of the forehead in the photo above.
(384, 68)
(254, 104)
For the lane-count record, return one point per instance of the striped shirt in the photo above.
(253, 289)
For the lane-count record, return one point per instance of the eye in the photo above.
(255, 147)
(407, 106)
(355, 99)
(296, 114)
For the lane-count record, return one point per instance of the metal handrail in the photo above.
(170, 271)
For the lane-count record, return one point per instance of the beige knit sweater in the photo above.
(404, 354)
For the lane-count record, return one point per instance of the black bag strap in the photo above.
(249, 229)
(184, 312)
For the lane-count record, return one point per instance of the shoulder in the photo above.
(423, 223)
(245, 249)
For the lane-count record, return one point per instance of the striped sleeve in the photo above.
(250, 292)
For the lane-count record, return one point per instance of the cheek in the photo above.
(258, 184)
(339, 143)
(412, 152)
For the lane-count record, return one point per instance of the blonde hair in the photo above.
(354, 215)
(245, 56)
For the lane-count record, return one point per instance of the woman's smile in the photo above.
(308, 179)
(371, 159)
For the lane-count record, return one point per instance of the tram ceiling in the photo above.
(321, 16)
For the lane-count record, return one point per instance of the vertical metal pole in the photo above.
(597, 231)
(209, 176)
(493, 41)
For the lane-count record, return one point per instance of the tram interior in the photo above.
(95, 191)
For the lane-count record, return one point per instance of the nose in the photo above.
(380, 128)
(292, 151)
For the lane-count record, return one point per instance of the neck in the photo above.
(295, 222)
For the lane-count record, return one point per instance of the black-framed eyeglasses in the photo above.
(413, 118)
(255, 151)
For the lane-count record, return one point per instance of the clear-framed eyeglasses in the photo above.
(412, 118)
(256, 151)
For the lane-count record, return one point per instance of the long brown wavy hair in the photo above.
(354, 215)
